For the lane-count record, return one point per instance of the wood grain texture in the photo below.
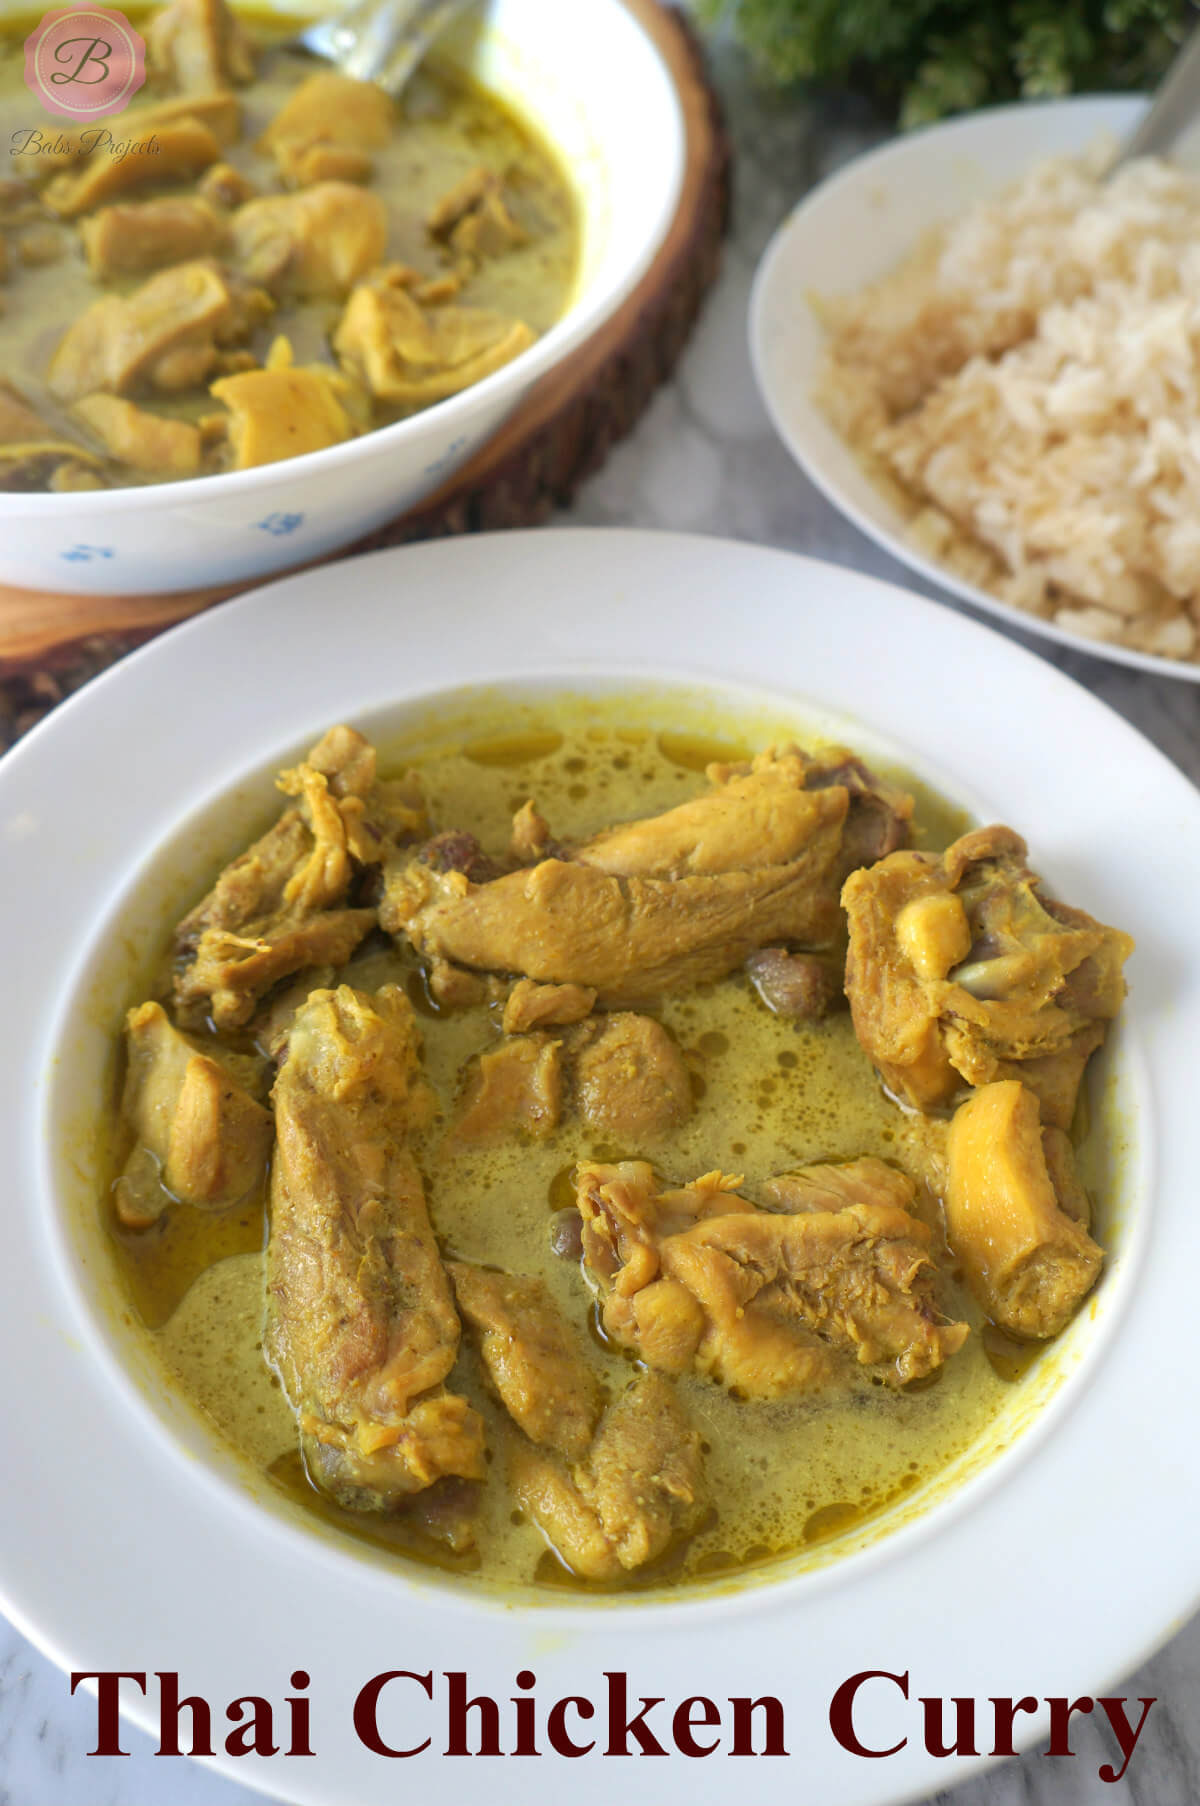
(563, 431)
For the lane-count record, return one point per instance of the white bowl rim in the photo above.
(1113, 111)
(583, 316)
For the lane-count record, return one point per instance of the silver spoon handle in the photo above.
(382, 40)
(1174, 107)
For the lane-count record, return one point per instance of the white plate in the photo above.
(856, 227)
(1053, 1571)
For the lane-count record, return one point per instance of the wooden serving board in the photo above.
(50, 644)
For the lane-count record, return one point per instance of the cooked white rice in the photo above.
(1030, 379)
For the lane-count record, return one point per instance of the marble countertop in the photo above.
(705, 460)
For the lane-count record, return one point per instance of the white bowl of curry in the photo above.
(301, 1518)
(687, 1121)
(265, 309)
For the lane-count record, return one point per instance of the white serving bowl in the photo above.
(852, 230)
(1082, 1493)
(614, 120)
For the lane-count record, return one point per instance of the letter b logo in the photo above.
(84, 62)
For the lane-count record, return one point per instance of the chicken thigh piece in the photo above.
(282, 905)
(767, 1303)
(961, 972)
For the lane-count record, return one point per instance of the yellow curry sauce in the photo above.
(770, 1094)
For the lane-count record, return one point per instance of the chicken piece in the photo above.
(1029, 1261)
(306, 858)
(350, 764)
(41, 246)
(272, 1024)
(56, 465)
(623, 1074)
(282, 412)
(225, 187)
(227, 973)
(879, 817)
(140, 439)
(330, 108)
(454, 850)
(454, 988)
(488, 230)
(639, 1491)
(73, 476)
(628, 939)
(395, 813)
(314, 244)
(127, 240)
(327, 127)
(185, 147)
(217, 109)
(754, 816)
(409, 358)
(474, 217)
(20, 423)
(207, 1137)
(19, 205)
(770, 1305)
(166, 335)
(439, 289)
(361, 1326)
(516, 1088)
(832, 1186)
(878, 814)
(531, 1005)
(200, 46)
(304, 165)
(1059, 1153)
(653, 905)
(30, 448)
(531, 839)
(959, 970)
(460, 200)
(805, 986)
(277, 908)
(533, 1359)
(629, 1082)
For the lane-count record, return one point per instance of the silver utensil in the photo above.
(1175, 106)
(381, 40)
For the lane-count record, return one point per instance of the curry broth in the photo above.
(770, 1094)
(446, 128)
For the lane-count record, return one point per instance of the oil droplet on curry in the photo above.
(503, 1171)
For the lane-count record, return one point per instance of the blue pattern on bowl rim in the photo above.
(85, 554)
